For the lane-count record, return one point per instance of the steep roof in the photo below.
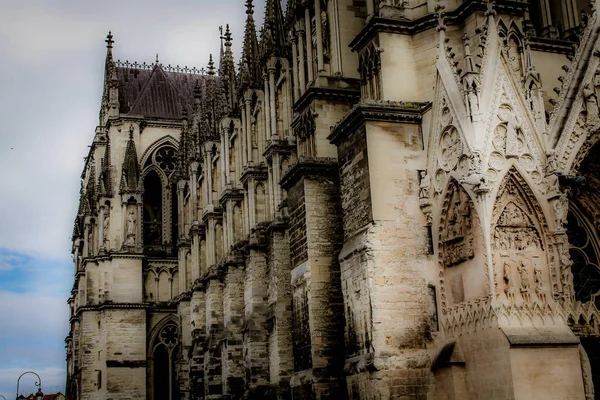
(156, 91)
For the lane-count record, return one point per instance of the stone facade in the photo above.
(384, 200)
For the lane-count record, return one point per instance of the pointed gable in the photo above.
(130, 174)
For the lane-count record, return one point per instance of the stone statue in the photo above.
(561, 208)
(522, 270)
(591, 102)
(131, 220)
(539, 285)
(567, 282)
(509, 289)
(325, 32)
(424, 183)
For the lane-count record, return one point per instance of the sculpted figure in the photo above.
(325, 32)
(567, 282)
(522, 270)
(561, 208)
(591, 102)
(131, 228)
(539, 286)
(509, 288)
(424, 185)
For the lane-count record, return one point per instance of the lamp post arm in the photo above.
(38, 384)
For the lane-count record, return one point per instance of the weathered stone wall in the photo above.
(280, 313)
(232, 352)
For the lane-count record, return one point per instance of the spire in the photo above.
(227, 72)
(130, 171)
(272, 41)
(250, 71)
(211, 65)
(110, 96)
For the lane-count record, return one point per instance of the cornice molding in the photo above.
(310, 166)
(378, 110)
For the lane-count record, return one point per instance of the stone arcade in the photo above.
(383, 200)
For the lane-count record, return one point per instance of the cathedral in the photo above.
(381, 199)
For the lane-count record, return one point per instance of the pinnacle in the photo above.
(109, 40)
(249, 7)
(211, 65)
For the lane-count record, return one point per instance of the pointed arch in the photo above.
(461, 251)
(162, 353)
(165, 140)
(525, 268)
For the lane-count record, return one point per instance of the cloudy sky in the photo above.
(51, 70)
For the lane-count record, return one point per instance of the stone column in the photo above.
(244, 137)
(271, 191)
(302, 65)
(76, 255)
(295, 69)
(226, 156)
(194, 191)
(182, 269)
(267, 106)
(210, 205)
(86, 241)
(251, 203)
(319, 33)
(223, 175)
(195, 252)
(276, 178)
(249, 130)
(309, 56)
(273, 105)
(180, 216)
(101, 230)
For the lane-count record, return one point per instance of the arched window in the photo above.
(153, 218)
(165, 351)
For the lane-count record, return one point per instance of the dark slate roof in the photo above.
(155, 91)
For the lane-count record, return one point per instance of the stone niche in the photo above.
(520, 264)
(461, 247)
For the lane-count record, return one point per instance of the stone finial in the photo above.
(109, 40)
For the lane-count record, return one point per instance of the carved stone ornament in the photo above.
(306, 125)
(130, 227)
(450, 148)
(456, 234)
(519, 258)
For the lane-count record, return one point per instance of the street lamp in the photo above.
(39, 395)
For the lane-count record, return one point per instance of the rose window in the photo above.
(169, 336)
(166, 159)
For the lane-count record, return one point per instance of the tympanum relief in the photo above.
(518, 251)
